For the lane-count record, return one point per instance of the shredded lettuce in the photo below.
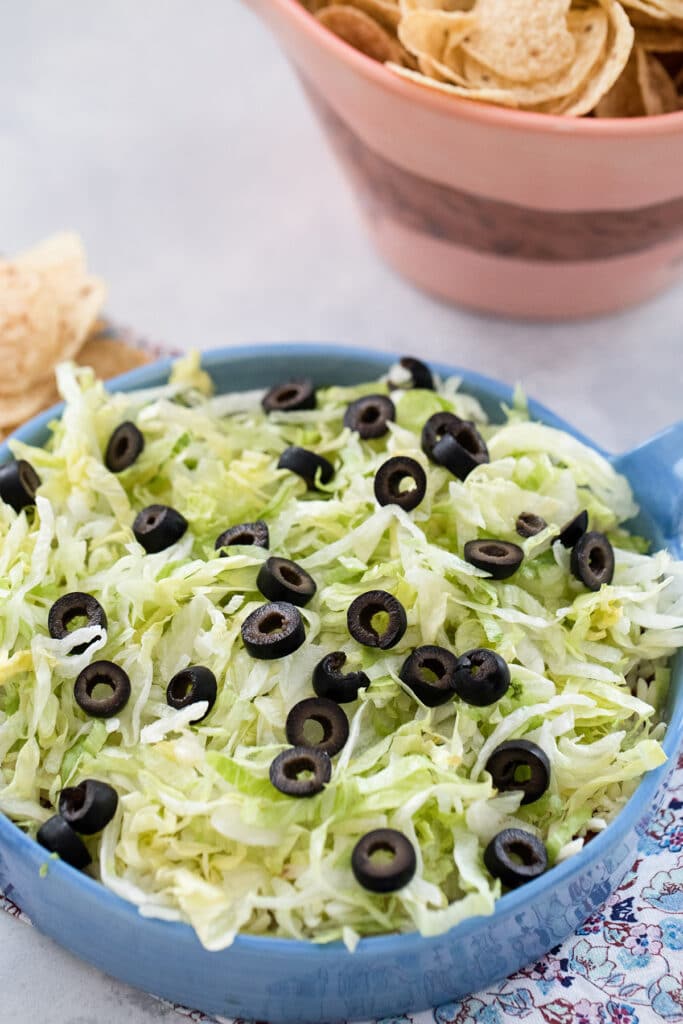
(200, 834)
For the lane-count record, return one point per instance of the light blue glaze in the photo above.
(291, 982)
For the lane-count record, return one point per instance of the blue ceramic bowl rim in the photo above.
(396, 943)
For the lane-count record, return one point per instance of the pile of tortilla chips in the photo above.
(607, 58)
(49, 312)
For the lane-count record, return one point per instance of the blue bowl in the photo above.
(286, 981)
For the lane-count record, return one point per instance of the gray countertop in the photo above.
(174, 138)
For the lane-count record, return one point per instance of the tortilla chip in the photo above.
(624, 98)
(109, 357)
(16, 409)
(619, 46)
(522, 40)
(48, 304)
(361, 31)
(657, 88)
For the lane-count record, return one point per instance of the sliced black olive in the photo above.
(291, 395)
(124, 446)
(75, 606)
(520, 764)
(364, 609)
(515, 857)
(529, 524)
(189, 686)
(329, 681)
(382, 874)
(461, 450)
(430, 673)
(109, 675)
(481, 677)
(592, 560)
(436, 427)
(273, 631)
(89, 806)
(158, 526)
(18, 484)
(500, 558)
(301, 771)
(391, 475)
(307, 465)
(328, 715)
(420, 374)
(57, 836)
(280, 579)
(369, 416)
(575, 528)
(245, 533)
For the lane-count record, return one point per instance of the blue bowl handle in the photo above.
(655, 470)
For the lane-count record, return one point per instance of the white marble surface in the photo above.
(175, 139)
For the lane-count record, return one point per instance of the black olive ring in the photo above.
(481, 677)
(158, 526)
(123, 448)
(438, 663)
(528, 524)
(330, 682)
(515, 857)
(273, 631)
(18, 484)
(289, 396)
(72, 606)
(328, 715)
(390, 476)
(290, 764)
(191, 685)
(499, 558)
(506, 760)
(362, 611)
(89, 806)
(420, 374)
(436, 427)
(57, 836)
(592, 560)
(280, 579)
(104, 673)
(370, 416)
(307, 465)
(383, 875)
(244, 533)
(461, 449)
(574, 529)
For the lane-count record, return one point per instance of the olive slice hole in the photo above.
(522, 773)
(315, 731)
(494, 550)
(290, 575)
(370, 414)
(74, 799)
(596, 560)
(299, 768)
(180, 687)
(382, 853)
(375, 619)
(76, 621)
(101, 689)
(520, 853)
(431, 671)
(271, 623)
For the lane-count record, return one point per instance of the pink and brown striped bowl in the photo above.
(515, 213)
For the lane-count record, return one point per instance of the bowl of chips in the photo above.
(516, 156)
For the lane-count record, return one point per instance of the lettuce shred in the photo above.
(200, 834)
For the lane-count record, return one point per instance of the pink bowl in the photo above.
(522, 214)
